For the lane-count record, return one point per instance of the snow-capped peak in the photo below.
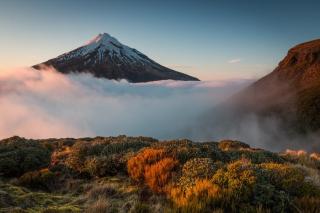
(104, 44)
(105, 56)
(102, 38)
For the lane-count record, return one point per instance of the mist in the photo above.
(44, 104)
(47, 104)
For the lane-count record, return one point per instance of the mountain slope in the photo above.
(291, 92)
(105, 57)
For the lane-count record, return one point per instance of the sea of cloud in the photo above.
(44, 104)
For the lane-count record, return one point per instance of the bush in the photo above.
(285, 177)
(229, 145)
(136, 165)
(196, 168)
(42, 179)
(77, 157)
(18, 156)
(237, 181)
(184, 150)
(203, 196)
(103, 156)
(104, 165)
(153, 166)
(158, 174)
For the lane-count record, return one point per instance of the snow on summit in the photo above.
(104, 56)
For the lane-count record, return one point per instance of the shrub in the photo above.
(42, 179)
(18, 155)
(136, 165)
(196, 168)
(122, 147)
(285, 177)
(255, 156)
(238, 181)
(203, 196)
(228, 145)
(104, 165)
(77, 156)
(158, 174)
(184, 150)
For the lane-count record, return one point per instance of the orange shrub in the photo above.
(158, 174)
(204, 189)
(136, 165)
(200, 195)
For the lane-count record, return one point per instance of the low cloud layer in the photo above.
(43, 104)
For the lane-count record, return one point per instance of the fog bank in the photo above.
(43, 104)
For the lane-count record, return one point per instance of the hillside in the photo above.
(140, 174)
(291, 92)
(105, 57)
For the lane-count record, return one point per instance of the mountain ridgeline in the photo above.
(291, 92)
(105, 57)
(283, 105)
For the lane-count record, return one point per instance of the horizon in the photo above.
(211, 40)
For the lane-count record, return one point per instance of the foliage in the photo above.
(137, 165)
(285, 177)
(158, 174)
(229, 145)
(255, 156)
(200, 197)
(42, 179)
(103, 165)
(197, 168)
(18, 155)
(95, 175)
(237, 181)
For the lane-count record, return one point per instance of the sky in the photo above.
(209, 39)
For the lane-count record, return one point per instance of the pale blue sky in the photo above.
(210, 39)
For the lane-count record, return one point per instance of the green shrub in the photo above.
(18, 155)
(285, 177)
(141, 208)
(196, 168)
(228, 145)
(104, 165)
(255, 156)
(43, 179)
(238, 181)
(184, 150)
(77, 157)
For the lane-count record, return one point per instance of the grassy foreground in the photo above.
(140, 174)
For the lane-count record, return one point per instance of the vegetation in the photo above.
(140, 174)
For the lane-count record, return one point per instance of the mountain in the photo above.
(105, 57)
(291, 93)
